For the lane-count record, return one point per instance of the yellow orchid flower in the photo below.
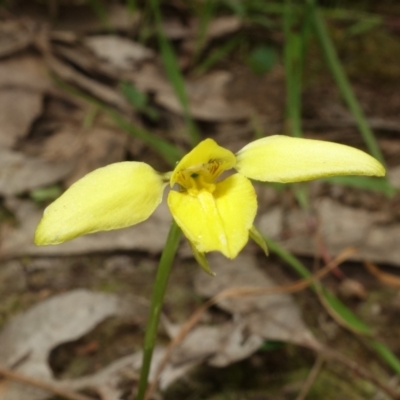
(215, 213)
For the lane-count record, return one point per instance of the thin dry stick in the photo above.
(383, 277)
(312, 376)
(241, 292)
(49, 387)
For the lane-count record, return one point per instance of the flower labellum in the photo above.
(214, 213)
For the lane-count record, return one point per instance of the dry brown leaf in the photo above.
(85, 60)
(221, 345)
(101, 147)
(207, 99)
(110, 381)
(206, 95)
(222, 26)
(15, 35)
(64, 144)
(273, 317)
(82, 19)
(120, 52)
(149, 79)
(373, 233)
(394, 176)
(26, 72)
(28, 339)
(19, 108)
(174, 28)
(20, 173)
(18, 241)
(91, 148)
(99, 90)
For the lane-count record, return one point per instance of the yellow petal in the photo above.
(218, 221)
(286, 159)
(112, 197)
(206, 158)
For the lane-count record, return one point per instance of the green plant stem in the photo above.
(342, 81)
(160, 285)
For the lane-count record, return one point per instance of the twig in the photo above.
(49, 387)
(312, 376)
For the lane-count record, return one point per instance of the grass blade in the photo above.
(293, 70)
(174, 74)
(342, 81)
(164, 148)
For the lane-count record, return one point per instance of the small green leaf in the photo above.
(257, 237)
(137, 99)
(45, 194)
(202, 260)
(270, 345)
(262, 59)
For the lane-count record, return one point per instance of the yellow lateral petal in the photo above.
(206, 157)
(219, 221)
(113, 197)
(286, 159)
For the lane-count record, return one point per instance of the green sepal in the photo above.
(257, 237)
(202, 260)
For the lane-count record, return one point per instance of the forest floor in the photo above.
(83, 85)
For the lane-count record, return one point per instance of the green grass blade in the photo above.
(386, 354)
(205, 16)
(343, 313)
(174, 74)
(217, 55)
(296, 42)
(167, 150)
(292, 61)
(342, 81)
(138, 100)
(347, 315)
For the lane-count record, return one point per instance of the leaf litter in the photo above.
(28, 339)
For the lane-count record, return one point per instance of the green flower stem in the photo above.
(160, 285)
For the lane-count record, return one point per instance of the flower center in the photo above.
(200, 177)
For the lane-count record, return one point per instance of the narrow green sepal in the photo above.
(257, 236)
(202, 260)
